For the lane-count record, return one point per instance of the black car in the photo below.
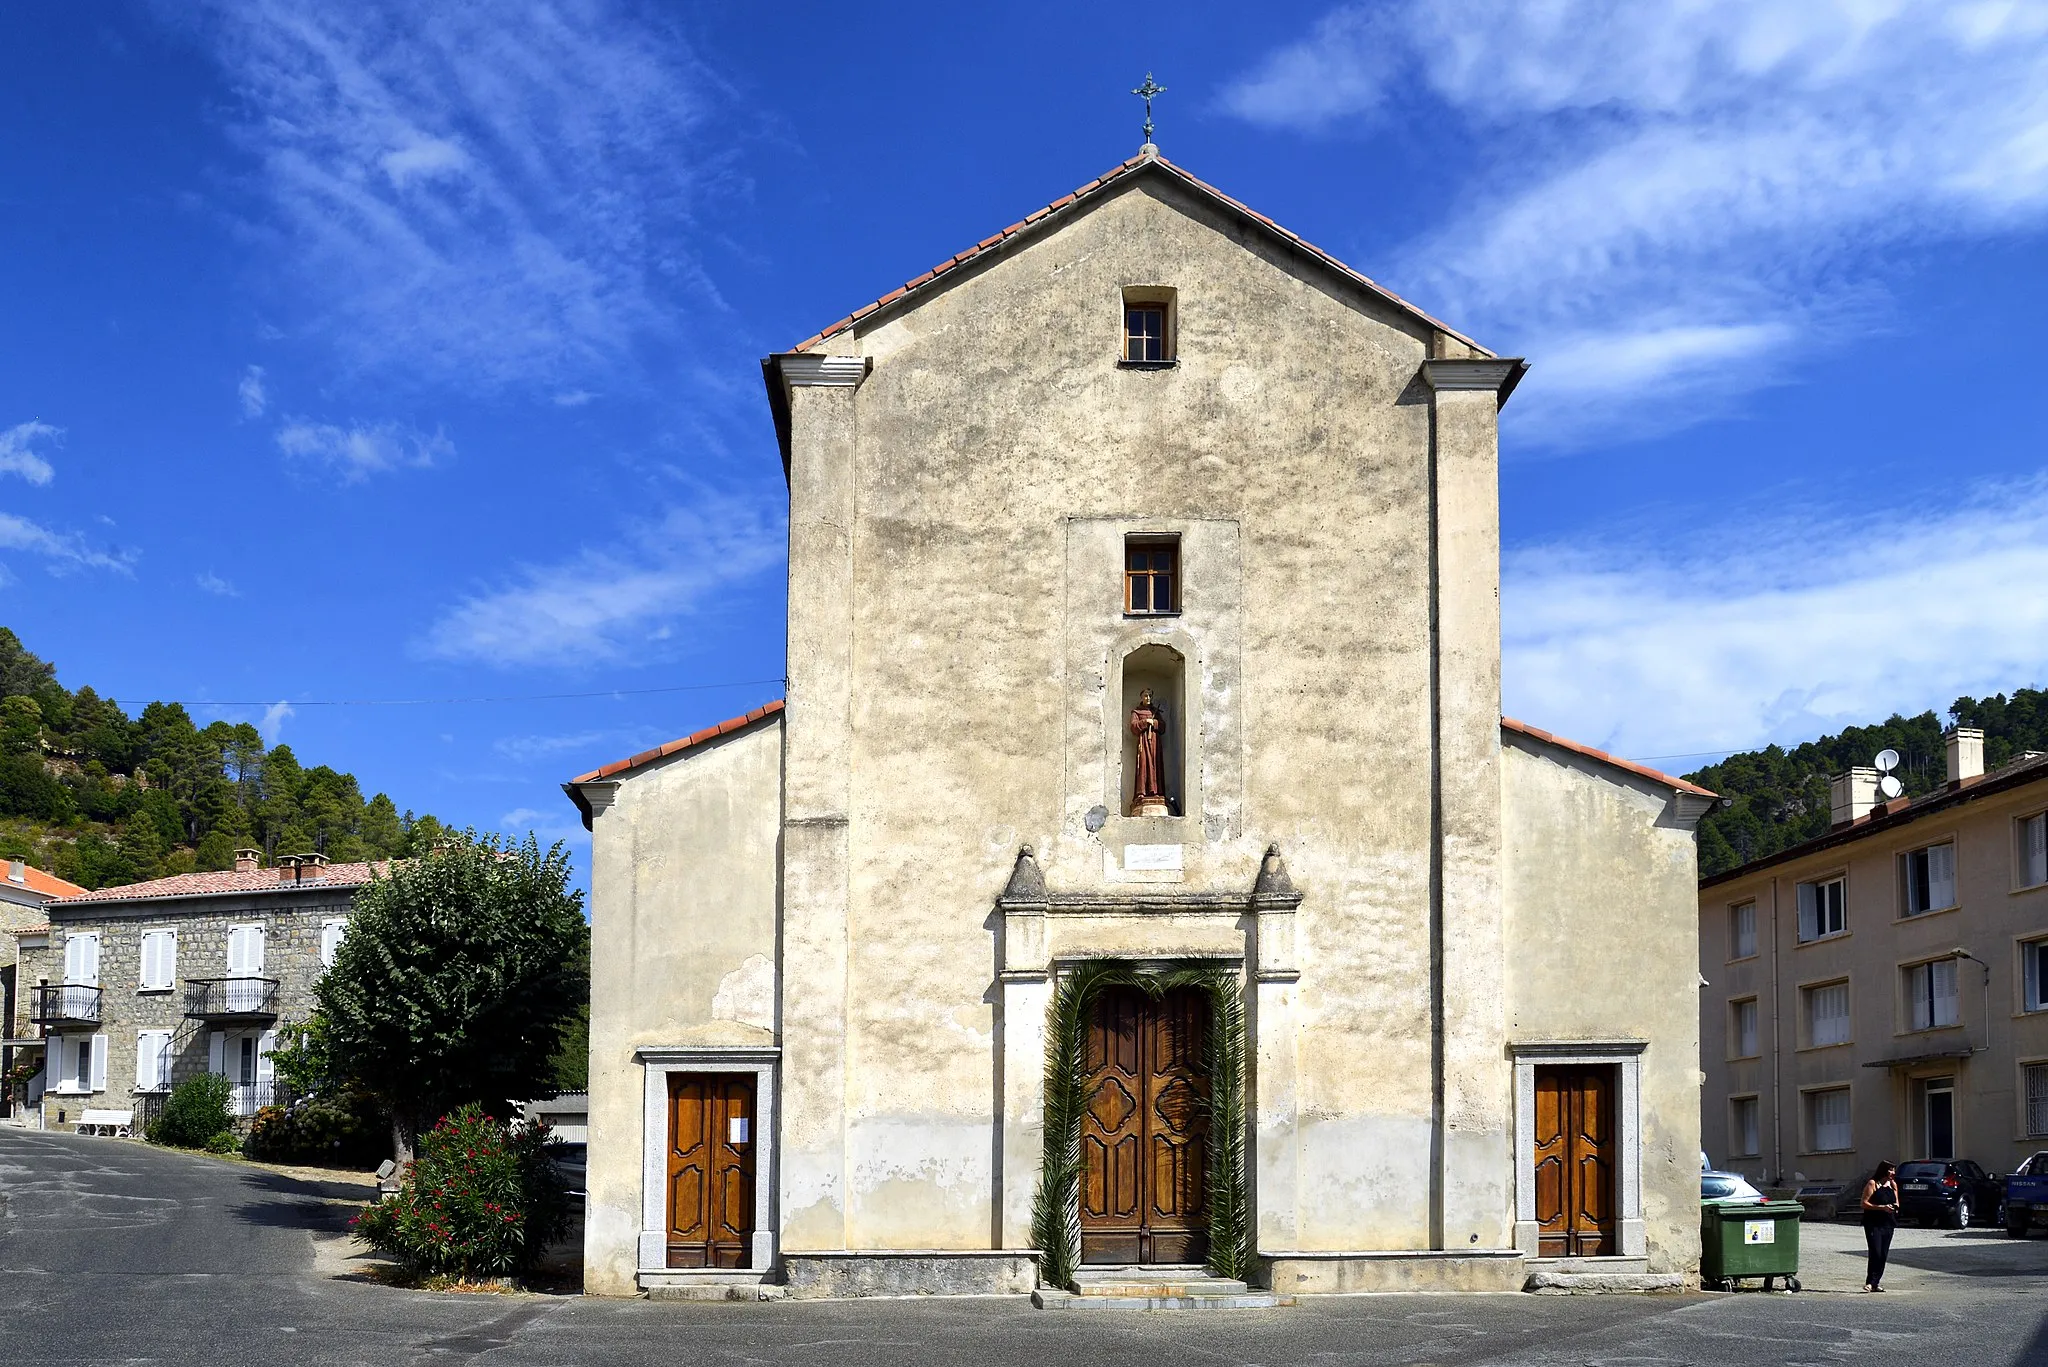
(1955, 1192)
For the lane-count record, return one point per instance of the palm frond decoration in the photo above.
(1056, 1205)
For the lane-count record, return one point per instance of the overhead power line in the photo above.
(449, 702)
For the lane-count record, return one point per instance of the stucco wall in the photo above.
(1600, 881)
(684, 895)
(964, 510)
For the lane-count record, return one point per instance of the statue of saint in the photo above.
(1148, 788)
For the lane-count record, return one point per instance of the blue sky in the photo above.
(367, 353)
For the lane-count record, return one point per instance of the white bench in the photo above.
(116, 1124)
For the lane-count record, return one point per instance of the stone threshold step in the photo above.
(1049, 1298)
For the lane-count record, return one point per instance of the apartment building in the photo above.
(1881, 991)
(133, 989)
(24, 892)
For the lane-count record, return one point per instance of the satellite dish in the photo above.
(1886, 761)
(1889, 787)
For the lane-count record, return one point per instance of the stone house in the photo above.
(24, 892)
(1140, 870)
(135, 988)
(1881, 991)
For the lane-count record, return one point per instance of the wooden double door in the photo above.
(1577, 1154)
(711, 1146)
(1145, 1137)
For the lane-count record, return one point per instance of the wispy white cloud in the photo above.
(1779, 628)
(18, 455)
(214, 584)
(472, 194)
(252, 393)
(603, 602)
(573, 398)
(1674, 196)
(547, 826)
(61, 552)
(362, 450)
(274, 718)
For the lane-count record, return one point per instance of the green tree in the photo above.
(458, 977)
(21, 725)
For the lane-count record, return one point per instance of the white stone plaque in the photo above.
(1152, 857)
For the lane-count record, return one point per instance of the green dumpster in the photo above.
(1749, 1239)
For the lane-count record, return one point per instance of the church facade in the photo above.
(1139, 869)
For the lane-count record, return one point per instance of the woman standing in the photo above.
(1880, 1218)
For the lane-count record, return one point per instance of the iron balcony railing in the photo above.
(64, 1004)
(220, 999)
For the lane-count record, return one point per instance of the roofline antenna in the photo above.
(1147, 91)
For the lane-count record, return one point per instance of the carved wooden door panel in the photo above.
(1144, 1139)
(711, 1144)
(1575, 1161)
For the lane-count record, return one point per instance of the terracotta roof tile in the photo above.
(205, 884)
(1100, 182)
(1590, 753)
(726, 727)
(35, 880)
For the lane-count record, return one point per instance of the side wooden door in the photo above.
(1144, 1138)
(1575, 1161)
(711, 1144)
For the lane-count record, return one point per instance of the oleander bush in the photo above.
(479, 1200)
(195, 1112)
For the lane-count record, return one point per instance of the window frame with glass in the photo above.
(2034, 1098)
(1745, 1141)
(1922, 983)
(1744, 1038)
(1811, 1101)
(2030, 851)
(1161, 567)
(1811, 997)
(2034, 974)
(1816, 911)
(1742, 931)
(1147, 340)
(1927, 879)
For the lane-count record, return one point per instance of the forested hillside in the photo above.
(1781, 796)
(100, 798)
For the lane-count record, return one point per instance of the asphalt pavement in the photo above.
(113, 1251)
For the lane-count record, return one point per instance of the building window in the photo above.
(1152, 576)
(1742, 931)
(1930, 879)
(1827, 1120)
(332, 932)
(2033, 851)
(82, 1063)
(1742, 1028)
(1827, 1014)
(1744, 1133)
(245, 951)
(153, 1061)
(159, 960)
(1144, 332)
(1931, 1000)
(2034, 963)
(2037, 1099)
(1822, 909)
(82, 958)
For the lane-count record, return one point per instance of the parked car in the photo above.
(1727, 1186)
(2026, 1197)
(572, 1162)
(1953, 1192)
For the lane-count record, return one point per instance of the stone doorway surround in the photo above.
(657, 1063)
(1626, 1056)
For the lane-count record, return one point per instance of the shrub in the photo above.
(224, 1142)
(196, 1111)
(478, 1201)
(343, 1127)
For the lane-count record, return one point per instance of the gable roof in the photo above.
(1034, 225)
(36, 881)
(620, 767)
(215, 884)
(1616, 761)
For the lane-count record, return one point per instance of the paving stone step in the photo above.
(1048, 1298)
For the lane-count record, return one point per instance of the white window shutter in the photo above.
(216, 1053)
(264, 1071)
(99, 1063)
(1941, 877)
(1809, 922)
(145, 1060)
(2036, 829)
(256, 950)
(1943, 972)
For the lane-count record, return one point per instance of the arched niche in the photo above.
(1160, 668)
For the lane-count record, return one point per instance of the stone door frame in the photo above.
(1626, 1056)
(657, 1064)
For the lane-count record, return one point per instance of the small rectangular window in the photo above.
(1742, 1028)
(2034, 851)
(82, 958)
(1827, 1014)
(1744, 1133)
(332, 932)
(1151, 577)
(153, 1061)
(1145, 332)
(1742, 931)
(245, 951)
(1827, 1120)
(1930, 876)
(1931, 1000)
(2037, 1100)
(2034, 963)
(159, 960)
(1822, 909)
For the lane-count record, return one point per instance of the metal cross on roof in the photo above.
(1148, 90)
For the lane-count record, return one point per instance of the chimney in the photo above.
(248, 861)
(1965, 755)
(17, 871)
(312, 867)
(1851, 796)
(287, 866)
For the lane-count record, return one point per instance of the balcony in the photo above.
(231, 999)
(55, 1006)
